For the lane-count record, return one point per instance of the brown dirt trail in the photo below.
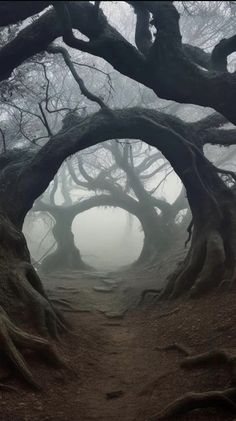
(118, 371)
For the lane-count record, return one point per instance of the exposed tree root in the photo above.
(220, 356)
(204, 267)
(7, 388)
(169, 313)
(149, 388)
(62, 302)
(22, 293)
(191, 401)
(12, 337)
(27, 284)
(154, 292)
(66, 307)
(175, 346)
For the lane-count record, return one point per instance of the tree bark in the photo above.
(159, 234)
(212, 203)
(22, 295)
(171, 70)
(211, 259)
(67, 255)
(23, 299)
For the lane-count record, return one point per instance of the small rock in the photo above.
(114, 395)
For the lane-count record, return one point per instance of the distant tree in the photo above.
(116, 173)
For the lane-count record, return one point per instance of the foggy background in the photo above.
(108, 238)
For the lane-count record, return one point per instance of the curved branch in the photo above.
(13, 12)
(99, 127)
(221, 51)
(171, 76)
(63, 14)
(143, 36)
(122, 201)
(221, 137)
(55, 49)
(198, 56)
(75, 177)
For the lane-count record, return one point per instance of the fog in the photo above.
(108, 237)
(126, 290)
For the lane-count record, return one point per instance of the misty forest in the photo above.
(117, 210)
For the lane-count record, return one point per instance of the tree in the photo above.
(173, 70)
(66, 255)
(123, 173)
(128, 178)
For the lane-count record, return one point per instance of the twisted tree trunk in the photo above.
(67, 255)
(158, 235)
(23, 299)
(22, 295)
(211, 259)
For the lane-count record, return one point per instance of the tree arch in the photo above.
(66, 250)
(172, 70)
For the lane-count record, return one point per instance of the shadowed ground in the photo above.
(120, 370)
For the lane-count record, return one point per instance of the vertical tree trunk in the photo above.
(67, 255)
(211, 260)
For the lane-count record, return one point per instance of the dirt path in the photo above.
(113, 395)
(118, 371)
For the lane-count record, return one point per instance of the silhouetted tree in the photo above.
(174, 71)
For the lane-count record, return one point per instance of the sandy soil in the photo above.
(118, 372)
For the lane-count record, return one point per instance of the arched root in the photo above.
(191, 401)
(218, 356)
(12, 337)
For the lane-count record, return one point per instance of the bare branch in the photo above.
(3, 140)
(45, 121)
(221, 51)
(162, 181)
(92, 97)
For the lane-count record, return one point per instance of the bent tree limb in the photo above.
(213, 212)
(176, 76)
(211, 258)
(64, 215)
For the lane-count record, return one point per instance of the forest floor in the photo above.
(118, 372)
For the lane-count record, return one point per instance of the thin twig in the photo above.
(54, 49)
(3, 140)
